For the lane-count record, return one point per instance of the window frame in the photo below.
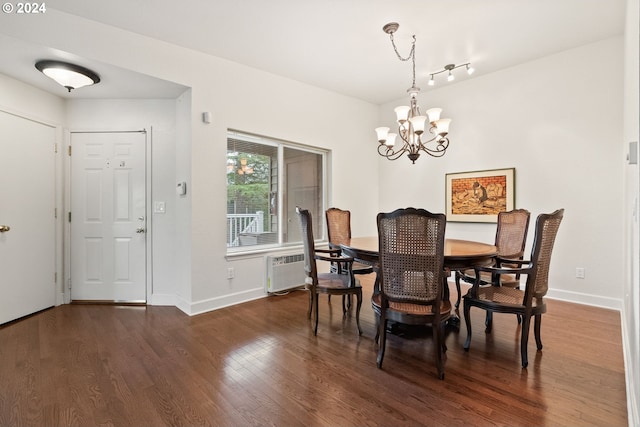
(281, 209)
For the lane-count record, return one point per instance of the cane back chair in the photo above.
(411, 248)
(511, 238)
(342, 282)
(526, 303)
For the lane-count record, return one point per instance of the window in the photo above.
(266, 180)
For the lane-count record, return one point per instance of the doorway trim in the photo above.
(148, 130)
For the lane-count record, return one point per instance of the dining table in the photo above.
(458, 255)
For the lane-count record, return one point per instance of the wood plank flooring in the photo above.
(259, 364)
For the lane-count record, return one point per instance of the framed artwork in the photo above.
(479, 196)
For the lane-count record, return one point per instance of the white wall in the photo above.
(631, 307)
(558, 121)
(550, 129)
(158, 117)
(241, 98)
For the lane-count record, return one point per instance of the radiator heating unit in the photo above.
(284, 272)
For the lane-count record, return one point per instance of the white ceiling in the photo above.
(333, 44)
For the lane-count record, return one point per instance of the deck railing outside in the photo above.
(239, 224)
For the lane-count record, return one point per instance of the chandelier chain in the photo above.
(412, 55)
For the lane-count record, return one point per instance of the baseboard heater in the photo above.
(284, 272)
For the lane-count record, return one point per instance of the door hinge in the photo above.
(55, 213)
(55, 277)
(69, 151)
(69, 283)
(55, 147)
(69, 216)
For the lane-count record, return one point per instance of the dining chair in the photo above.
(411, 256)
(339, 232)
(342, 282)
(528, 302)
(511, 238)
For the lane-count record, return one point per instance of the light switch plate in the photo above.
(159, 207)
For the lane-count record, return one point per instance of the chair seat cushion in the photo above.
(335, 281)
(504, 296)
(409, 308)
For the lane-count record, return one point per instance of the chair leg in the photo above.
(524, 340)
(488, 322)
(358, 305)
(467, 320)
(377, 337)
(444, 344)
(346, 304)
(536, 330)
(311, 293)
(315, 328)
(382, 331)
(458, 288)
(438, 339)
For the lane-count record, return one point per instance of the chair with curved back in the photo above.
(511, 238)
(412, 276)
(526, 303)
(339, 232)
(342, 282)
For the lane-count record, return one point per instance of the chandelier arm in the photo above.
(390, 153)
(441, 146)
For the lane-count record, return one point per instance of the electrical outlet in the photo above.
(230, 273)
(580, 272)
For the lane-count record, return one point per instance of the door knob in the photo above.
(4, 228)
(140, 230)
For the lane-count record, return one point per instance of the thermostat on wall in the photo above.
(181, 188)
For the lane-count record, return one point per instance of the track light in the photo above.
(449, 68)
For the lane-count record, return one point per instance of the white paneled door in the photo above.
(27, 217)
(108, 223)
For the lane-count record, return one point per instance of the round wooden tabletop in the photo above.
(458, 254)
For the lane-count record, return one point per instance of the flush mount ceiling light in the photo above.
(70, 76)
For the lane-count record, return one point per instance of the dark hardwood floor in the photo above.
(259, 364)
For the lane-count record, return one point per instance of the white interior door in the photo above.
(108, 223)
(27, 206)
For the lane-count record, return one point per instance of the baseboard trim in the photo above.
(216, 303)
(587, 299)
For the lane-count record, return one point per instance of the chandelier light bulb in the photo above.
(391, 139)
(450, 77)
(470, 69)
(382, 133)
(418, 124)
(434, 114)
(402, 113)
(442, 126)
(431, 81)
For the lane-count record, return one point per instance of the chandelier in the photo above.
(411, 122)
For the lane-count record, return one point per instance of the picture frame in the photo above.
(479, 196)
